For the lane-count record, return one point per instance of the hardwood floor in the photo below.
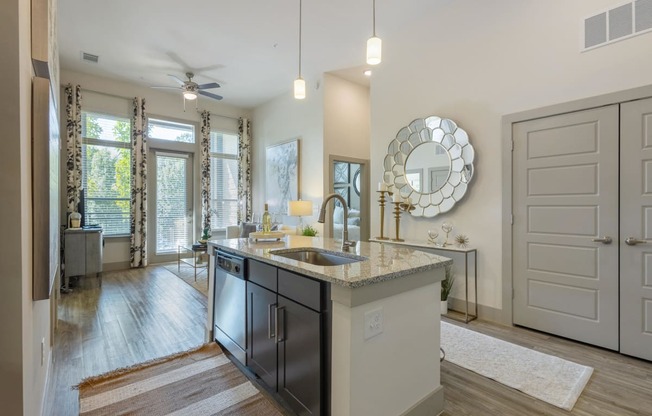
(619, 386)
(135, 316)
(141, 314)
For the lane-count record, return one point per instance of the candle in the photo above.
(396, 197)
(382, 186)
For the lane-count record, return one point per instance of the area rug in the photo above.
(187, 274)
(199, 382)
(545, 377)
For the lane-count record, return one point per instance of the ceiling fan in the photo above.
(190, 89)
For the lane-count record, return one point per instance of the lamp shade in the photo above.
(374, 50)
(299, 208)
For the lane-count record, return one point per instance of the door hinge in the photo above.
(511, 219)
(513, 293)
(512, 145)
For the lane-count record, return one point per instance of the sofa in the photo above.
(243, 230)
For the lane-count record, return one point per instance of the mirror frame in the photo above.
(455, 142)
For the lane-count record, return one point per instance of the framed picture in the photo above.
(340, 173)
(281, 176)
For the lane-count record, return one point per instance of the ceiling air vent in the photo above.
(89, 57)
(618, 23)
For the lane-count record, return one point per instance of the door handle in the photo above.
(280, 338)
(270, 334)
(631, 241)
(604, 240)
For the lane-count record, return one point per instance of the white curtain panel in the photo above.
(73, 145)
(205, 167)
(139, 185)
(244, 170)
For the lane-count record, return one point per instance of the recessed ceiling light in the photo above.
(367, 72)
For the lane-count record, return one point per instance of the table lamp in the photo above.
(299, 209)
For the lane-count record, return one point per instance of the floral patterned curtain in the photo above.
(139, 185)
(73, 145)
(244, 170)
(205, 167)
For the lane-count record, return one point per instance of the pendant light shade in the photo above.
(299, 83)
(374, 44)
(374, 50)
(299, 88)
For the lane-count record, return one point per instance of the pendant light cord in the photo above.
(300, 7)
(374, 17)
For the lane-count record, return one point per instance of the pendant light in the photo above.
(299, 83)
(374, 44)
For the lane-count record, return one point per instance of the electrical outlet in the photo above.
(373, 323)
(42, 351)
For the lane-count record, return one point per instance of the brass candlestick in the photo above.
(381, 201)
(397, 215)
(407, 207)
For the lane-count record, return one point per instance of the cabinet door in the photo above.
(75, 254)
(261, 351)
(93, 252)
(299, 357)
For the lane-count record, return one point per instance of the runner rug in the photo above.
(199, 382)
(545, 377)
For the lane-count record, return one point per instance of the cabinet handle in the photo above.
(270, 334)
(280, 338)
(603, 240)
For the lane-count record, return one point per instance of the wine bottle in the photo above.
(267, 221)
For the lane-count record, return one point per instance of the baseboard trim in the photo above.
(486, 313)
(432, 404)
(118, 265)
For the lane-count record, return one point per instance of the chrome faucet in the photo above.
(345, 229)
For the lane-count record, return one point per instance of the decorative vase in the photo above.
(443, 307)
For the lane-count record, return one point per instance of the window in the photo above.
(106, 171)
(224, 179)
(170, 131)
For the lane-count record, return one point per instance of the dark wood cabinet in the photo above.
(289, 334)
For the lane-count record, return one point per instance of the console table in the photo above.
(82, 249)
(468, 317)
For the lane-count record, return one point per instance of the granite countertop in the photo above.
(382, 262)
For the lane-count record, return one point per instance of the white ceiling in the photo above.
(249, 46)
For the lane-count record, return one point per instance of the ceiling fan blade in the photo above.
(208, 86)
(177, 79)
(160, 87)
(211, 95)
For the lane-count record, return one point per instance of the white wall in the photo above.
(475, 61)
(24, 322)
(284, 119)
(111, 98)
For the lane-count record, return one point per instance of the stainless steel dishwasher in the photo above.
(230, 311)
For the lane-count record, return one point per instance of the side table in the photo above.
(195, 252)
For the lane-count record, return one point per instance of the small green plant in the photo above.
(206, 234)
(447, 283)
(309, 231)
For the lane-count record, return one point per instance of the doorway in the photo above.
(350, 179)
(170, 204)
(582, 213)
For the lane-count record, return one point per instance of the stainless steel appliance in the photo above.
(230, 304)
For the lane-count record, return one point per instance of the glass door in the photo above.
(171, 205)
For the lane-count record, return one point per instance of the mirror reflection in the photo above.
(427, 167)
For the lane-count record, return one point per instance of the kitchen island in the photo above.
(376, 324)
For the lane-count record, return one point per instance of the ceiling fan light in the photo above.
(374, 50)
(190, 95)
(299, 88)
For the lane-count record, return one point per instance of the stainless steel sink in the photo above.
(317, 257)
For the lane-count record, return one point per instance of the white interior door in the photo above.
(565, 197)
(636, 229)
(170, 204)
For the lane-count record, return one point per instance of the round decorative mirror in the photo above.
(431, 162)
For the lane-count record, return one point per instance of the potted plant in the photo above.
(309, 231)
(446, 287)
